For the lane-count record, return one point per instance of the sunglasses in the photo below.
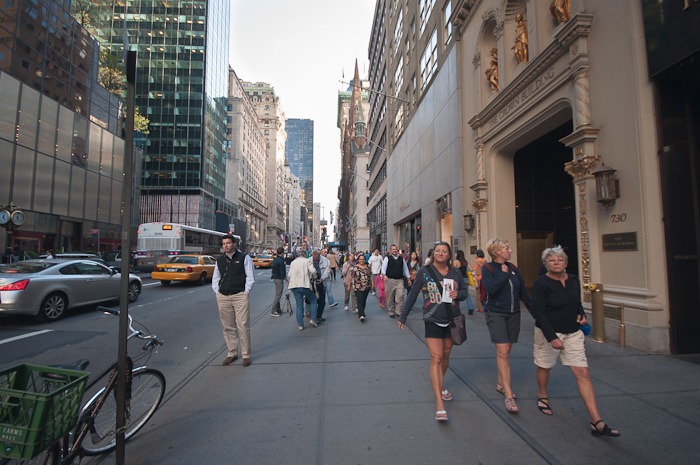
(442, 243)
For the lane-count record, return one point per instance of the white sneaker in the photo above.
(313, 323)
(355, 311)
(346, 307)
(301, 328)
(333, 304)
(374, 293)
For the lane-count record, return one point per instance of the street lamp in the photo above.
(11, 218)
(468, 222)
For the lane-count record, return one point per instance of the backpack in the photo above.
(483, 295)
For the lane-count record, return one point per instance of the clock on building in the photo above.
(4, 217)
(17, 217)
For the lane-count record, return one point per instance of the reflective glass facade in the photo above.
(44, 47)
(63, 171)
(181, 87)
(300, 156)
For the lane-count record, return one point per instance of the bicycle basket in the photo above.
(38, 405)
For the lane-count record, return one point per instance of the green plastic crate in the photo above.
(36, 410)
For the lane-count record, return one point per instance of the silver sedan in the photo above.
(47, 288)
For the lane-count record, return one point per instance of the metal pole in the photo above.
(598, 312)
(127, 194)
(622, 325)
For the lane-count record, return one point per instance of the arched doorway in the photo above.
(545, 205)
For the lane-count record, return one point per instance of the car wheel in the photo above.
(53, 307)
(134, 291)
(164, 282)
(202, 279)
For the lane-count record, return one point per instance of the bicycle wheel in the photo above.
(147, 390)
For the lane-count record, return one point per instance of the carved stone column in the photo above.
(480, 206)
(580, 169)
(582, 105)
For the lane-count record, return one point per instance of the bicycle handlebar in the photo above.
(151, 339)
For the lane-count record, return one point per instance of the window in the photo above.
(398, 31)
(426, 7)
(448, 25)
(398, 77)
(428, 61)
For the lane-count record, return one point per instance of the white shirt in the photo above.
(375, 262)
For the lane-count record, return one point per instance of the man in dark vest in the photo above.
(393, 271)
(232, 281)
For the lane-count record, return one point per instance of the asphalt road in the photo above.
(183, 315)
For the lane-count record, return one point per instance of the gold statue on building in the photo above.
(561, 10)
(492, 72)
(520, 47)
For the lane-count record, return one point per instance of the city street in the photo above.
(351, 393)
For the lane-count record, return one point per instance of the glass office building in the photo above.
(181, 87)
(300, 156)
(62, 160)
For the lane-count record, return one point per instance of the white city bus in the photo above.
(157, 242)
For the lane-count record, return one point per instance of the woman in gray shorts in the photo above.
(504, 290)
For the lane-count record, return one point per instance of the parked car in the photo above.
(262, 260)
(114, 259)
(48, 288)
(193, 268)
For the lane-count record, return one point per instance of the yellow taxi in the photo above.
(192, 268)
(262, 260)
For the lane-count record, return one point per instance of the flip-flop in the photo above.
(446, 395)
(543, 405)
(441, 415)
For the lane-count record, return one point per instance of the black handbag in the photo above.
(458, 326)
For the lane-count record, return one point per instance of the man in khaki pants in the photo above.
(394, 269)
(232, 281)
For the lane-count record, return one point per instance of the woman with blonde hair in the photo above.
(505, 289)
(346, 274)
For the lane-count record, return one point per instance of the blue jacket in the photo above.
(504, 290)
(279, 269)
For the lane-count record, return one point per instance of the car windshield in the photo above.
(188, 260)
(26, 267)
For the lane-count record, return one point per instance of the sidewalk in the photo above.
(352, 393)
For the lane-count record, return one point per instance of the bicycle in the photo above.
(95, 432)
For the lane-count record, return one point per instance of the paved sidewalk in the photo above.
(352, 393)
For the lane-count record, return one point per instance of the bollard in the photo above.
(598, 313)
(622, 325)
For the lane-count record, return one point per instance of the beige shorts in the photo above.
(573, 354)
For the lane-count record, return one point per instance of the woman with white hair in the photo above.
(559, 314)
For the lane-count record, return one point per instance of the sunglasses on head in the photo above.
(441, 243)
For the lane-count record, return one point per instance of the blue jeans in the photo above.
(329, 292)
(299, 294)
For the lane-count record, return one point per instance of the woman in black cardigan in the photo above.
(559, 313)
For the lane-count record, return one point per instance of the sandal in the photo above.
(502, 390)
(543, 405)
(446, 395)
(511, 406)
(441, 415)
(606, 431)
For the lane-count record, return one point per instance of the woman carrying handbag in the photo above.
(442, 289)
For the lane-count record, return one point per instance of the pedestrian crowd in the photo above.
(398, 277)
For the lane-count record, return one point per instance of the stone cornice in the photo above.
(462, 12)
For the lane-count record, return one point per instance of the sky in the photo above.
(303, 48)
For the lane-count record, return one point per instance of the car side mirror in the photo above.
(113, 270)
